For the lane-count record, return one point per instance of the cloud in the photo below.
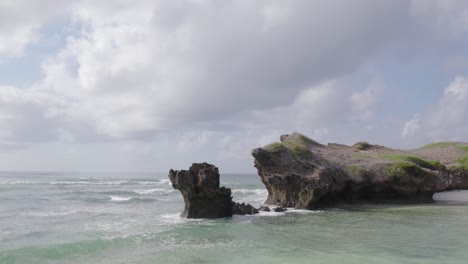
(447, 120)
(362, 102)
(316, 106)
(27, 116)
(213, 79)
(412, 127)
(20, 21)
(148, 67)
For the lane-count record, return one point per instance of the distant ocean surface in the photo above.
(134, 218)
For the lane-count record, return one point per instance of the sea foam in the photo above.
(119, 199)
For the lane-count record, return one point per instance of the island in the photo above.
(302, 173)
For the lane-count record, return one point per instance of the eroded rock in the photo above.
(203, 197)
(243, 209)
(280, 209)
(264, 208)
(299, 172)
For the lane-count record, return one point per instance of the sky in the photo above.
(151, 85)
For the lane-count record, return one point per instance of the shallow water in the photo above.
(134, 218)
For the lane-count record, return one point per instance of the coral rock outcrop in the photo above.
(299, 172)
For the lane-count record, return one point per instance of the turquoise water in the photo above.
(133, 218)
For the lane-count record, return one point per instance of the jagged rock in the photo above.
(264, 208)
(243, 209)
(280, 209)
(203, 197)
(299, 172)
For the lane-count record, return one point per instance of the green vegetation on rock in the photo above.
(301, 139)
(357, 170)
(297, 145)
(427, 164)
(362, 145)
(408, 172)
(463, 163)
(441, 144)
(360, 155)
(464, 148)
(274, 147)
(298, 149)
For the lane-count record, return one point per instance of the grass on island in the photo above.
(357, 170)
(408, 172)
(298, 146)
(299, 138)
(361, 156)
(441, 144)
(362, 145)
(464, 148)
(459, 145)
(463, 163)
(428, 164)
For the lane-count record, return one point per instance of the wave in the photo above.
(8, 182)
(129, 199)
(61, 212)
(88, 181)
(120, 199)
(127, 182)
(151, 191)
(252, 196)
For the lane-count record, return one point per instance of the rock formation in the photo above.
(203, 197)
(299, 172)
(243, 209)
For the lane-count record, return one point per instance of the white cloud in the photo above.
(28, 116)
(20, 21)
(140, 70)
(447, 121)
(412, 127)
(315, 106)
(363, 101)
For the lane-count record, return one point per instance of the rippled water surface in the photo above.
(134, 218)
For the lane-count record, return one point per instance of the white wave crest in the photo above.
(89, 183)
(252, 196)
(149, 191)
(165, 181)
(60, 212)
(120, 199)
(17, 182)
(148, 183)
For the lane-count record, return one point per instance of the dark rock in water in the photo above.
(243, 209)
(280, 209)
(299, 172)
(264, 208)
(203, 197)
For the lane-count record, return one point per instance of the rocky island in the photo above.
(302, 173)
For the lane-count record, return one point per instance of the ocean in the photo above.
(134, 218)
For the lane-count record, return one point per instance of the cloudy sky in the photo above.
(151, 85)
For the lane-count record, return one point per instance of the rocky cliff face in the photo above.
(203, 197)
(299, 172)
